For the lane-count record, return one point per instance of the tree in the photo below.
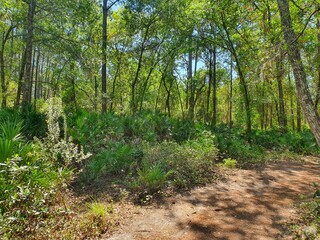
(105, 10)
(4, 84)
(304, 94)
(27, 84)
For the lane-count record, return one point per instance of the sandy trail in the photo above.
(250, 204)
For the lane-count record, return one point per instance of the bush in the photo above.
(296, 142)
(32, 173)
(117, 158)
(191, 162)
(152, 178)
(34, 123)
(229, 163)
(235, 144)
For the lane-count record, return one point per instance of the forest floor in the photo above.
(247, 204)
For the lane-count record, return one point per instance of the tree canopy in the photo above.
(219, 62)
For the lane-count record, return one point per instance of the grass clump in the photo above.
(152, 178)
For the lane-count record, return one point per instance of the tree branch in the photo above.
(305, 26)
(294, 3)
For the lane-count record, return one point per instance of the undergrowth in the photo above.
(148, 153)
(32, 172)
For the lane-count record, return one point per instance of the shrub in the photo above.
(191, 162)
(235, 144)
(34, 123)
(296, 142)
(117, 158)
(32, 173)
(152, 177)
(229, 163)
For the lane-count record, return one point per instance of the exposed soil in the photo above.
(249, 204)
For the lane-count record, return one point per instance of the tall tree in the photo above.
(104, 55)
(282, 119)
(304, 95)
(242, 79)
(105, 10)
(27, 84)
(4, 84)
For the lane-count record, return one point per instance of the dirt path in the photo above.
(250, 204)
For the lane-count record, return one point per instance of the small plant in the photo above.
(229, 163)
(10, 138)
(56, 149)
(97, 209)
(152, 178)
(96, 222)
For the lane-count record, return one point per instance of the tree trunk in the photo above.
(231, 93)
(95, 93)
(191, 88)
(282, 119)
(73, 87)
(104, 56)
(209, 86)
(168, 93)
(27, 84)
(291, 102)
(271, 116)
(243, 84)
(158, 95)
(135, 80)
(180, 99)
(21, 74)
(113, 89)
(214, 96)
(318, 66)
(4, 84)
(299, 119)
(304, 95)
(36, 80)
(263, 107)
(144, 87)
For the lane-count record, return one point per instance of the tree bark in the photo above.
(27, 84)
(112, 98)
(36, 80)
(214, 83)
(20, 82)
(4, 84)
(231, 93)
(191, 88)
(291, 102)
(282, 119)
(304, 95)
(95, 93)
(104, 56)
(318, 66)
(209, 86)
(299, 118)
